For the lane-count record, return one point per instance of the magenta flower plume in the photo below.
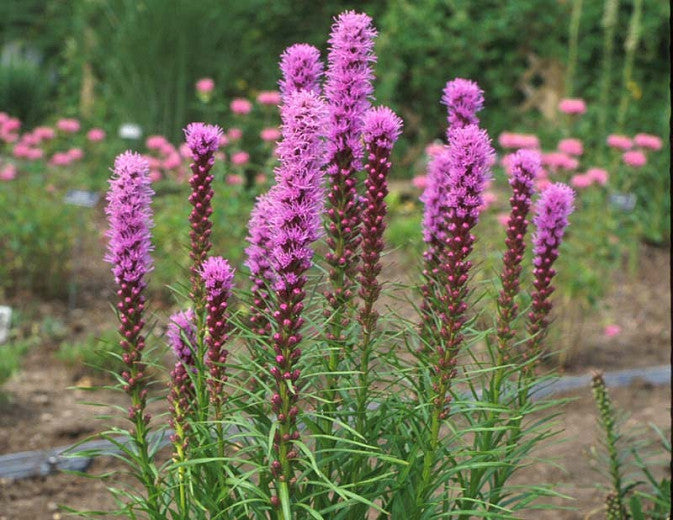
(181, 335)
(301, 69)
(259, 262)
(348, 89)
(525, 167)
(295, 205)
(218, 279)
(381, 128)
(459, 173)
(463, 99)
(551, 219)
(203, 141)
(130, 220)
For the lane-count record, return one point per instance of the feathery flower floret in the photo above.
(301, 69)
(218, 276)
(181, 335)
(130, 219)
(381, 127)
(463, 99)
(202, 139)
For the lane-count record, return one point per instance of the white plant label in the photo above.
(5, 320)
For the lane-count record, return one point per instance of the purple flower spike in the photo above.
(259, 262)
(457, 174)
(463, 99)
(381, 128)
(348, 89)
(218, 278)
(295, 205)
(551, 219)
(181, 327)
(301, 68)
(130, 220)
(203, 140)
(525, 166)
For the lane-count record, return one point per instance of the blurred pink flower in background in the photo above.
(612, 330)
(502, 218)
(260, 179)
(155, 142)
(8, 172)
(488, 199)
(50, 188)
(20, 151)
(598, 175)
(581, 181)
(205, 85)
(270, 134)
(651, 142)
(60, 159)
(620, 142)
(154, 175)
(634, 158)
(268, 97)
(44, 133)
(11, 124)
(234, 134)
(241, 106)
(75, 154)
(30, 139)
(240, 158)
(173, 160)
(433, 149)
(68, 125)
(420, 182)
(560, 160)
(95, 135)
(234, 180)
(570, 146)
(185, 151)
(34, 154)
(542, 184)
(518, 141)
(573, 106)
(224, 140)
(219, 156)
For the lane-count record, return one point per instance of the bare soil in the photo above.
(41, 409)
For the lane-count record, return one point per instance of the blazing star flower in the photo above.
(581, 181)
(129, 247)
(155, 142)
(270, 135)
(463, 99)
(524, 169)
(95, 135)
(518, 141)
(69, 126)
(205, 85)
(598, 175)
(301, 69)
(8, 172)
(240, 158)
(551, 219)
(572, 106)
(269, 97)
(181, 335)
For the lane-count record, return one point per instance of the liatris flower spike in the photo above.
(301, 69)
(295, 207)
(203, 141)
(348, 89)
(463, 99)
(551, 219)
(218, 277)
(181, 336)
(130, 220)
(525, 167)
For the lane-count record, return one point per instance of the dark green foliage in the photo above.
(24, 89)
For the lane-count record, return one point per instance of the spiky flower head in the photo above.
(130, 219)
(181, 335)
(202, 139)
(381, 127)
(525, 166)
(218, 276)
(463, 99)
(301, 69)
(551, 219)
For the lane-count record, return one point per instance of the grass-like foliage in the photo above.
(310, 392)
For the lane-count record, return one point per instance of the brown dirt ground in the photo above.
(43, 412)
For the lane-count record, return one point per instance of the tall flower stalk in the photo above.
(525, 166)
(551, 219)
(463, 99)
(381, 128)
(460, 172)
(296, 203)
(301, 69)
(348, 89)
(203, 141)
(130, 219)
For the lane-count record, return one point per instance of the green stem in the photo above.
(609, 23)
(573, 37)
(630, 46)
